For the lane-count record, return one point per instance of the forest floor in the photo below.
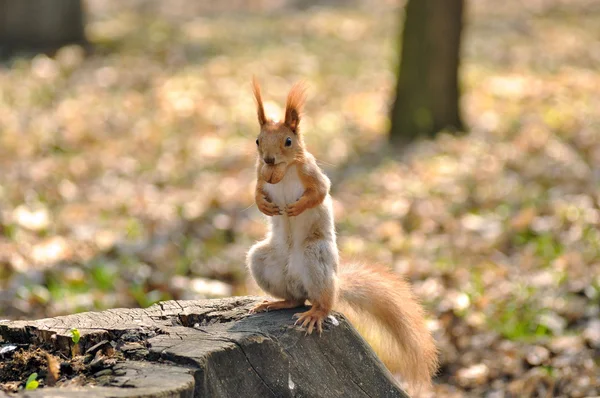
(128, 174)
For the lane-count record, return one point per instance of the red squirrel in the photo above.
(298, 260)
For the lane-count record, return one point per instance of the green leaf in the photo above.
(75, 335)
(32, 383)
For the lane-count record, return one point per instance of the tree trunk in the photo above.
(427, 93)
(40, 25)
(204, 348)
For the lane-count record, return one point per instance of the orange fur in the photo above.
(269, 305)
(293, 106)
(370, 293)
(315, 187)
(264, 203)
(271, 144)
(260, 109)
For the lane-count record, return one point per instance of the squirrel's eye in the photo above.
(288, 141)
(257, 142)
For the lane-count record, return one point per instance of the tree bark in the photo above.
(211, 348)
(427, 92)
(40, 25)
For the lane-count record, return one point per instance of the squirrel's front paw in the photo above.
(295, 209)
(266, 207)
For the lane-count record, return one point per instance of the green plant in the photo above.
(75, 335)
(518, 320)
(32, 383)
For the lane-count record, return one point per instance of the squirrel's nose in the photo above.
(269, 160)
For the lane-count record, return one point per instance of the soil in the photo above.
(78, 370)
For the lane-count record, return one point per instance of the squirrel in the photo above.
(299, 261)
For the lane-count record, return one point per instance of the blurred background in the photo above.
(462, 140)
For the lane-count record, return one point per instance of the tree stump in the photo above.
(207, 348)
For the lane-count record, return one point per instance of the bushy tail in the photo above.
(381, 305)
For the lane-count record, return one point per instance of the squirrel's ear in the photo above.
(260, 110)
(293, 106)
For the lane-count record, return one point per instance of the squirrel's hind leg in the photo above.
(316, 264)
(267, 266)
(312, 318)
(269, 305)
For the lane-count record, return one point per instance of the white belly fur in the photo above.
(288, 190)
(289, 233)
(291, 230)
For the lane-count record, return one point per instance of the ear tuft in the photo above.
(260, 110)
(293, 106)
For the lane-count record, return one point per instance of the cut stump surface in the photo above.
(210, 348)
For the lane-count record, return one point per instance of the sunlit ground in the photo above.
(127, 176)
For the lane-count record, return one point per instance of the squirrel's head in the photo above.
(279, 143)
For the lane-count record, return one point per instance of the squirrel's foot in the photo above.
(268, 305)
(311, 319)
